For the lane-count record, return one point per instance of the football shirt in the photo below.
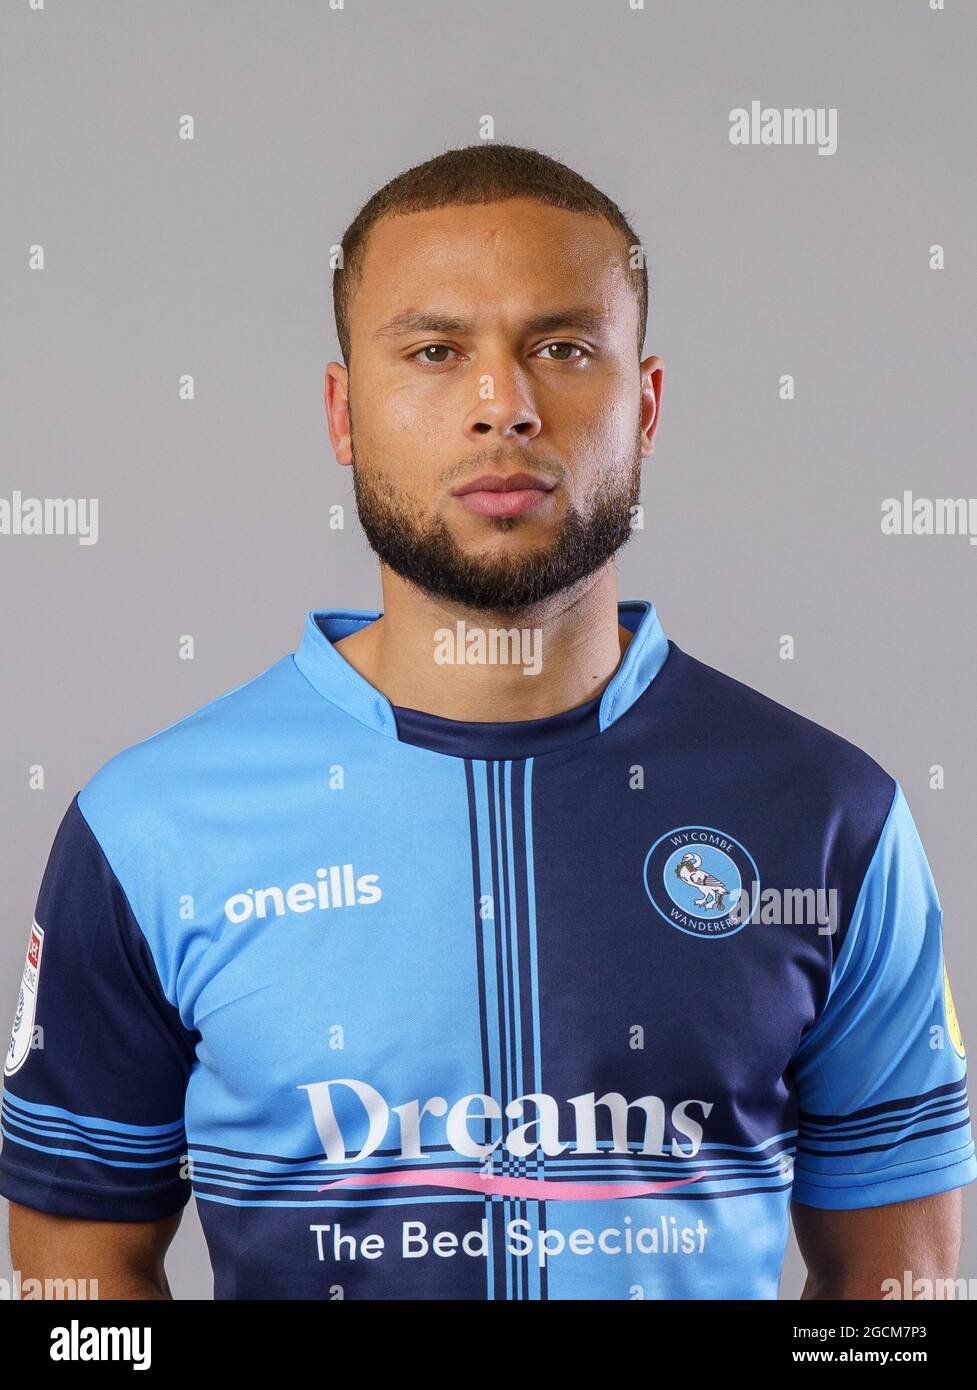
(416, 1008)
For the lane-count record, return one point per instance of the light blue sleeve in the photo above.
(881, 1077)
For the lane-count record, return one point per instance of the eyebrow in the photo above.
(426, 321)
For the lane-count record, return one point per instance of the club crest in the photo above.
(702, 881)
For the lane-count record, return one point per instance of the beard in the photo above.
(424, 553)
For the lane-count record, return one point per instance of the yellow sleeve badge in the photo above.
(952, 1022)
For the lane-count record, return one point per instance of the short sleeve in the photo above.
(98, 1062)
(881, 1077)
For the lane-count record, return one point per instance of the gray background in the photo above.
(211, 257)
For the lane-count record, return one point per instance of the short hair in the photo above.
(485, 173)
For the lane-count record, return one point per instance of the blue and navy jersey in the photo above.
(416, 1008)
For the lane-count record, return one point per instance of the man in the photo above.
(491, 946)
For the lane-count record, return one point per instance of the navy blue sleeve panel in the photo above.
(881, 1078)
(98, 1062)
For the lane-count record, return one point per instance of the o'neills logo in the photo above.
(539, 1132)
(333, 887)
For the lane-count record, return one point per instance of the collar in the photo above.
(342, 685)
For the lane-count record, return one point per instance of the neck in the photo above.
(496, 667)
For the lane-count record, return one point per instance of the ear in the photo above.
(336, 398)
(652, 374)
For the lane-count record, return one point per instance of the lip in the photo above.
(510, 482)
(494, 494)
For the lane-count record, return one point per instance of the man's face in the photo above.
(494, 339)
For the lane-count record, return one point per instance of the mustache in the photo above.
(478, 464)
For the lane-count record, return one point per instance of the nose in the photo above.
(504, 407)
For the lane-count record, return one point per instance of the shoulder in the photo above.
(783, 756)
(145, 790)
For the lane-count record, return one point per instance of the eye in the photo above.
(424, 357)
(429, 361)
(575, 347)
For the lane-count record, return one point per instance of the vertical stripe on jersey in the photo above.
(500, 824)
